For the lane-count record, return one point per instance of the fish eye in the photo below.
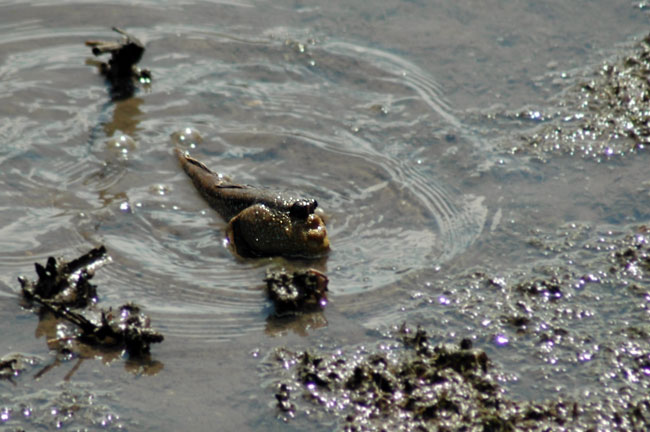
(302, 209)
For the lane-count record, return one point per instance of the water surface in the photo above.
(370, 109)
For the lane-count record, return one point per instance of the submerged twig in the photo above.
(121, 69)
(66, 283)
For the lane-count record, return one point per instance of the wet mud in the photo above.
(63, 407)
(552, 311)
(604, 114)
(296, 293)
(418, 386)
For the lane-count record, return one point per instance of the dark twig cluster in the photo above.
(63, 286)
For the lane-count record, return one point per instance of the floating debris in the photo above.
(301, 291)
(128, 329)
(66, 283)
(121, 70)
(62, 286)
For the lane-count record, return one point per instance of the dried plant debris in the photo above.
(127, 328)
(63, 286)
(121, 70)
(605, 115)
(66, 283)
(298, 292)
(421, 387)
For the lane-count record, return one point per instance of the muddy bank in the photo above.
(564, 318)
(605, 113)
(418, 386)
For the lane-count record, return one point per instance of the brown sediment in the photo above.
(426, 387)
(298, 292)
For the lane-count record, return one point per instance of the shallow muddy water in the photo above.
(396, 116)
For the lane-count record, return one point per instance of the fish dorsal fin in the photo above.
(232, 186)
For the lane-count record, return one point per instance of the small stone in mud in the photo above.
(379, 109)
(301, 291)
(12, 365)
(121, 69)
(66, 283)
(465, 344)
(549, 288)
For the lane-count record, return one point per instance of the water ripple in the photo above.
(336, 121)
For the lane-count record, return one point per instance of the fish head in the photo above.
(263, 231)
